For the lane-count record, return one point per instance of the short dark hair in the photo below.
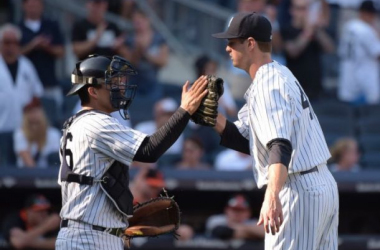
(200, 64)
(83, 93)
(265, 46)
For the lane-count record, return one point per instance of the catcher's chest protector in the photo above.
(114, 182)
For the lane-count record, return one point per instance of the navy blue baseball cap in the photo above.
(368, 6)
(244, 25)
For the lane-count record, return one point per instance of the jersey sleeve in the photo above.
(111, 138)
(272, 108)
(242, 123)
(372, 44)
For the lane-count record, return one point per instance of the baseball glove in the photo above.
(152, 218)
(207, 112)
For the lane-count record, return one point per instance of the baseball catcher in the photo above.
(208, 110)
(96, 152)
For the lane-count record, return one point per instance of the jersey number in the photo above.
(305, 102)
(68, 154)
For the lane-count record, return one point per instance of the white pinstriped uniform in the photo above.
(276, 107)
(97, 141)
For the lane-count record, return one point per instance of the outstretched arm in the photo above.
(155, 145)
(230, 135)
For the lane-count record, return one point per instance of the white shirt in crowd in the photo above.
(359, 51)
(231, 160)
(52, 146)
(14, 96)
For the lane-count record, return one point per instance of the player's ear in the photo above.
(251, 43)
(92, 92)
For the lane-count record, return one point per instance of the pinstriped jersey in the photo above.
(277, 107)
(93, 142)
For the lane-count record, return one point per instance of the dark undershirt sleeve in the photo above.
(155, 145)
(231, 138)
(280, 151)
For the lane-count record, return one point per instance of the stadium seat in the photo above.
(370, 160)
(141, 110)
(7, 155)
(172, 90)
(331, 138)
(51, 110)
(368, 111)
(338, 126)
(369, 126)
(53, 160)
(68, 107)
(369, 143)
(168, 161)
(331, 108)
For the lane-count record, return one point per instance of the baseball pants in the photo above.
(310, 205)
(81, 236)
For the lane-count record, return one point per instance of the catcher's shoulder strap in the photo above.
(67, 173)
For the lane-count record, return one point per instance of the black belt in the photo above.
(113, 231)
(314, 169)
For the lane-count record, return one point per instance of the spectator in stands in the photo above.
(163, 110)
(204, 65)
(345, 155)
(305, 39)
(148, 52)
(147, 184)
(42, 43)
(235, 223)
(127, 8)
(33, 227)
(94, 35)
(359, 51)
(268, 9)
(19, 79)
(232, 160)
(192, 155)
(36, 140)
(185, 232)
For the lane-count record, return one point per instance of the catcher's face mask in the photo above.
(116, 80)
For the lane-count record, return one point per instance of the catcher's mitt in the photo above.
(207, 112)
(152, 218)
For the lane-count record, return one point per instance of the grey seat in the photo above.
(7, 155)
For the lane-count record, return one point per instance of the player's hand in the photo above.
(271, 213)
(192, 97)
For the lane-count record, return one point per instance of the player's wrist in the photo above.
(187, 108)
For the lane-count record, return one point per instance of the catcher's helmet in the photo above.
(97, 69)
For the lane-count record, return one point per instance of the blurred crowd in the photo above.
(331, 46)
